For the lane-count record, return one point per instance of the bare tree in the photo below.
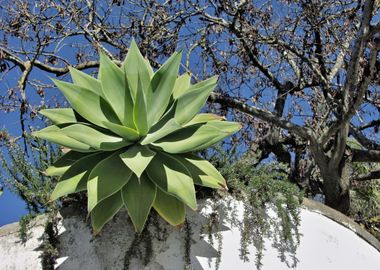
(301, 75)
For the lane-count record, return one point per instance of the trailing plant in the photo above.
(271, 204)
(50, 242)
(24, 224)
(131, 132)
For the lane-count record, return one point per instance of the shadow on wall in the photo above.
(210, 239)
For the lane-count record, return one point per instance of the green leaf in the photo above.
(125, 132)
(169, 127)
(116, 90)
(75, 178)
(89, 105)
(105, 210)
(139, 111)
(135, 67)
(96, 139)
(138, 196)
(181, 85)
(172, 177)
(169, 208)
(63, 163)
(190, 103)
(161, 88)
(60, 115)
(226, 128)
(55, 135)
(137, 158)
(197, 137)
(202, 171)
(107, 178)
(86, 81)
(203, 118)
(163, 127)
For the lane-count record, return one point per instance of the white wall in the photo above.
(325, 244)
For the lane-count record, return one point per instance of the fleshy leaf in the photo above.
(197, 137)
(181, 85)
(169, 208)
(163, 127)
(116, 90)
(63, 163)
(138, 196)
(96, 139)
(125, 132)
(135, 65)
(60, 115)
(202, 171)
(88, 104)
(165, 130)
(86, 81)
(107, 178)
(55, 135)
(137, 158)
(203, 118)
(190, 103)
(105, 210)
(172, 177)
(75, 178)
(161, 88)
(167, 126)
(139, 111)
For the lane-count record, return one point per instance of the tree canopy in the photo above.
(301, 76)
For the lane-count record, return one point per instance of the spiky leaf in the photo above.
(181, 85)
(107, 178)
(138, 196)
(104, 211)
(161, 88)
(173, 178)
(54, 134)
(75, 178)
(169, 208)
(202, 171)
(137, 158)
(135, 67)
(197, 137)
(86, 81)
(189, 104)
(60, 115)
(89, 105)
(63, 164)
(95, 138)
(116, 90)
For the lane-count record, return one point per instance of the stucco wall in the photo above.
(325, 244)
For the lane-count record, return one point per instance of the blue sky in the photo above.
(11, 207)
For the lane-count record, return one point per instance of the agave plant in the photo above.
(132, 134)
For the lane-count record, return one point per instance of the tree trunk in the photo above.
(336, 189)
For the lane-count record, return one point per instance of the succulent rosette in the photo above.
(132, 134)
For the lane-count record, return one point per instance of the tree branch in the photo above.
(303, 132)
(368, 176)
(359, 155)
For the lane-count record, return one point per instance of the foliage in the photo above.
(130, 133)
(366, 206)
(24, 175)
(24, 224)
(271, 204)
(303, 80)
